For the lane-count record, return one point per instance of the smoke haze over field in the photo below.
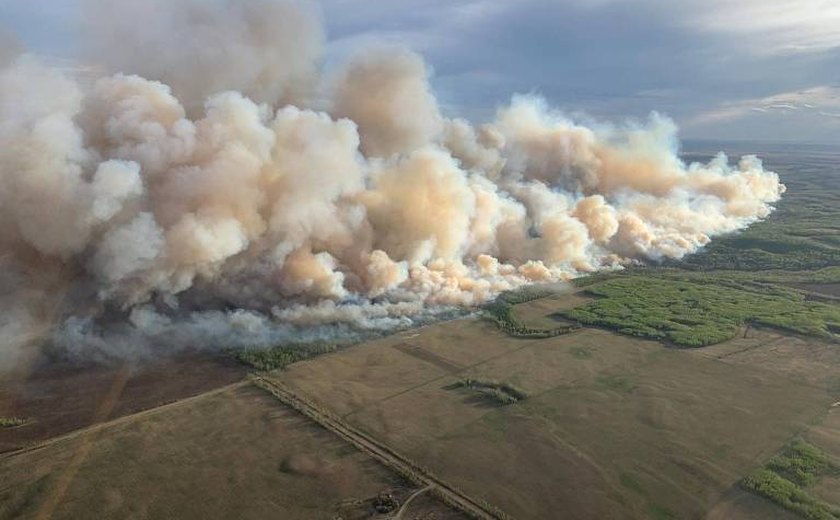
(213, 188)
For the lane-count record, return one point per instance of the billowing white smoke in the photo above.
(178, 208)
(267, 49)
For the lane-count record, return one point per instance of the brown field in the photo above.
(742, 505)
(800, 359)
(233, 453)
(615, 427)
(59, 398)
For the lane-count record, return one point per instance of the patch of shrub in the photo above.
(800, 463)
(782, 478)
(788, 495)
(502, 393)
(12, 422)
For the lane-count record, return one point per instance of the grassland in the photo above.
(613, 426)
(230, 454)
(781, 273)
(58, 398)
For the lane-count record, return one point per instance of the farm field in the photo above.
(231, 453)
(614, 427)
(58, 398)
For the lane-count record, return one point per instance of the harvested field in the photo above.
(614, 427)
(742, 505)
(59, 398)
(799, 359)
(236, 453)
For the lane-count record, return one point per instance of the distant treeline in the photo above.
(802, 234)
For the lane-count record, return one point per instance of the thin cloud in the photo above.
(777, 27)
(819, 101)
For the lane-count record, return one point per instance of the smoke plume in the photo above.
(193, 196)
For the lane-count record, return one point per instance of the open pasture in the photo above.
(614, 427)
(232, 453)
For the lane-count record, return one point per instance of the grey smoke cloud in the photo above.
(191, 195)
(267, 49)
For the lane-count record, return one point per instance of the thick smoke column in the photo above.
(170, 198)
(267, 49)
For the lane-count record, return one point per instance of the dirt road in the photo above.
(384, 454)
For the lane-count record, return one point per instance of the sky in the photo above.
(722, 69)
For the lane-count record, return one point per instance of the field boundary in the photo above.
(428, 356)
(448, 494)
(98, 426)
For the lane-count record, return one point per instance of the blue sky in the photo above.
(723, 69)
